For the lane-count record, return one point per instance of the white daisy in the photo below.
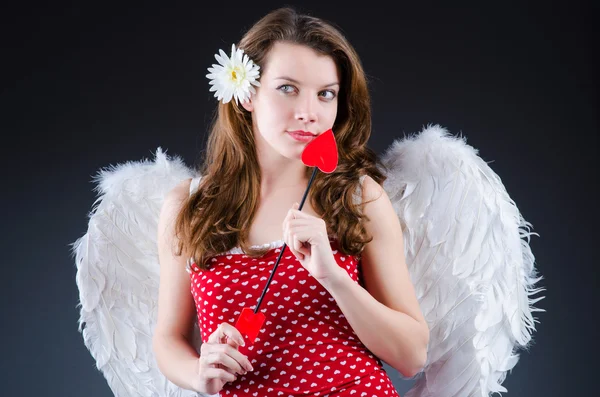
(234, 77)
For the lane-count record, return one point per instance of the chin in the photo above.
(293, 154)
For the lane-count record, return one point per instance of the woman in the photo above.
(343, 301)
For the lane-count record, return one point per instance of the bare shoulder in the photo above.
(179, 193)
(371, 189)
(382, 221)
(175, 197)
(171, 207)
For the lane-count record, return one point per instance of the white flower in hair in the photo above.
(234, 77)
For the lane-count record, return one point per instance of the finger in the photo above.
(298, 245)
(287, 218)
(293, 243)
(218, 373)
(297, 254)
(234, 334)
(209, 358)
(303, 250)
(286, 239)
(302, 236)
(224, 331)
(295, 209)
(240, 358)
(292, 218)
(299, 222)
(296, 213)
(233, 343)
(226, 357)
(307, 230)
(217, 335)
(231, 360)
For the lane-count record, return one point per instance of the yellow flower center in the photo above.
(237, 75)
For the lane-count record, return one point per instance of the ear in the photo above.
(248, 105)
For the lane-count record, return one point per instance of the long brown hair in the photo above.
(218, 216)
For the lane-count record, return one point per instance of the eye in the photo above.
(287, 88)
(331, 92)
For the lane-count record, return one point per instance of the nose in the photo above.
(306, 110)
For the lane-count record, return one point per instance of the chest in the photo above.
(267, 225)
(236, 281)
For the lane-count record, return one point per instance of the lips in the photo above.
(302, 137)
(303, 133)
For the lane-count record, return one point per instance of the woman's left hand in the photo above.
(306, 236)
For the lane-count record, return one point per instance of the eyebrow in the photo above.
(297, 82)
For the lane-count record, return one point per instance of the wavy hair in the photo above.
(218, 216)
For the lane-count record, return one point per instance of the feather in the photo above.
(118, 275)
(473, 273)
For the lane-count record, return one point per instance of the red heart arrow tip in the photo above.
(249, 324)
(321, 152)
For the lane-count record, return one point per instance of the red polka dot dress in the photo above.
(306, 346)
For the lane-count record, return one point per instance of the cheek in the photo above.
(279, 107)
(276, 113)
(330, 115)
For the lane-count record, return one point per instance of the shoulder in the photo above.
(179, 192)
(174, 200)
(371, 190)
(380, 214)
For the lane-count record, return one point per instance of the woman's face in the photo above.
(299, 92)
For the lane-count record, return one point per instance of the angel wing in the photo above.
(473, 273)
(118, 275)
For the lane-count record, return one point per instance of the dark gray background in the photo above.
(90, 86)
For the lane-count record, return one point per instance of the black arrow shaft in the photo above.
(284, 244)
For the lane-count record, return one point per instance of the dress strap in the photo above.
(194, 184)
(357, 195)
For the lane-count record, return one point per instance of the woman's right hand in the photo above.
(220, 360)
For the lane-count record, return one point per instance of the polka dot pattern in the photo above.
(306, 346)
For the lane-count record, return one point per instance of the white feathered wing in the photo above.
(118, 275)
(472, 271)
